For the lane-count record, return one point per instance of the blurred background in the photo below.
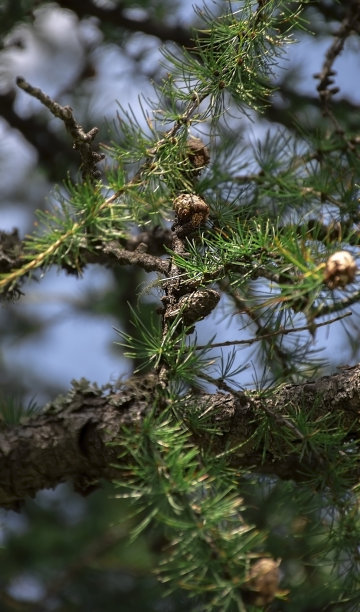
(64, 552)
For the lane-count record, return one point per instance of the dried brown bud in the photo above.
(262, 582)
(197, 154)
(191, 209)
(340, 270)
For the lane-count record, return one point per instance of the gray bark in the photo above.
(74, 439)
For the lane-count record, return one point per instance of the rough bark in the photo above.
(76, 437)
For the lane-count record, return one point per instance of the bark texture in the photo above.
(76, 437)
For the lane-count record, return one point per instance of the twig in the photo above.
(327, 72)
(242, 306)
(223, 386)
(48, 145)
(82, 140)
(325, 309)
(150, 263)
(281, 331)
(326, 91)
(170, 299)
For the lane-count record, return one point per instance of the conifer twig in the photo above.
(82, 140)
(150, 263)
(241, 305)
(325, 76)
(335, 306)
(325, 87)
(282, 331)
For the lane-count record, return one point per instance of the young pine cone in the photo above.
(262, 582)
(340, 270)
(191, 210)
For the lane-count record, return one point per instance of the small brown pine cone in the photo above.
(340, 270)
(191, 209)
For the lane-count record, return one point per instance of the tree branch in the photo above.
(150, 263)
(281, 331)
(77, 436)
(143, 250)
(83, 141)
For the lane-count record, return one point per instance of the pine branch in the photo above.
(350, 23)
(150, 263)
(282, 331)
(134, 251)
(152, 242)
(77, 436)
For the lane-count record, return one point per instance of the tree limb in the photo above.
(76, 438)
(143, 250)
(150, 263)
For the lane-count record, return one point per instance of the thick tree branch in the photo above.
(76, 437)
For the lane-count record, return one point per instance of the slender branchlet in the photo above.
(82, 141)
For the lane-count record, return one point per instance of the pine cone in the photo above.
(191, 209)
(262, 582)
(340, 270)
